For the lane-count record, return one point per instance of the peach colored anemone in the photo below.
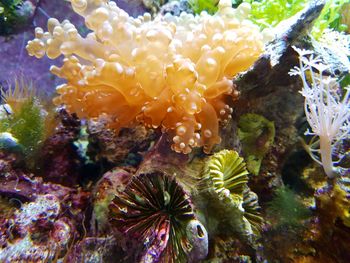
(170, 72)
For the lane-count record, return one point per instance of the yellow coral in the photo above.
(336, 204)
(170, 72)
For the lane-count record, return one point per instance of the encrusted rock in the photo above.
(59, 158)
(36, 232)
(111, 183)
(107, 146)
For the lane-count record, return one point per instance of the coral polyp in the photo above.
(155, 210)
(227, 172)
(225, 181)
(171, 72)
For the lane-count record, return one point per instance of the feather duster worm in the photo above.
(156, 210)
(171, 72)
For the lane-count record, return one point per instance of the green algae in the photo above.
(26, 119)
(26, 125)
(209, 6)
(287, 209)
(256, 134)
(330, 17)
(267, 13)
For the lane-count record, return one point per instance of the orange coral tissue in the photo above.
(169, 72)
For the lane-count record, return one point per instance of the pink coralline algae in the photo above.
(46, 222)
(36, 232)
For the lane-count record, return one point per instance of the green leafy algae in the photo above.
(204, 5)
(330, 17)
(267, 13)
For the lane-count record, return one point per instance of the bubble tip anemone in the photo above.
(152, 70)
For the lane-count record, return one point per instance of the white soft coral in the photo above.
(327, 111)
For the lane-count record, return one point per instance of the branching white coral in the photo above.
(326, 109)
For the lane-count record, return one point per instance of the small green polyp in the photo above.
(256, 134)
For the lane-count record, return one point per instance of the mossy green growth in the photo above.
(287, 209)
(26, 124)
(25, 119)
(256, 134)
(204, 5)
